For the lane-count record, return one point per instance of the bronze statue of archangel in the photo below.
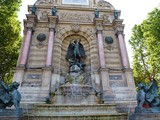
(75, 53)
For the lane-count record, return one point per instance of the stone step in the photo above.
(33, 95)
(74, 112)
(61, 109)
(79, 117)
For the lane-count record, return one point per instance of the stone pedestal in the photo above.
(11, 114)
(74, 94)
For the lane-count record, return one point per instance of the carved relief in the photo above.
(105, 4)
(44, 2)
(107, 18)
(44, 15)
(99, 25)
(42, 25)
(75, 28)
(52, 21)
(30, 24)
(74, 16)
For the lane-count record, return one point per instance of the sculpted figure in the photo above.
(34, 9)
(75, 53)
(16, 96)
(54, 11)
(9, 95)
(147, 96)
(5, 96)
(116, 14)
(96, 13)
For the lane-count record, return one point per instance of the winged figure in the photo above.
(147, 96)
(75, 53)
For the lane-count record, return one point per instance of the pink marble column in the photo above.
(50, 48)
(101, 49)
(123, 51)
(25, 49)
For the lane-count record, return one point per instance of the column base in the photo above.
(21, 66)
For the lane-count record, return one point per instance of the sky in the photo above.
(132, 12)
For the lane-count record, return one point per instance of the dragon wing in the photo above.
(152, 91)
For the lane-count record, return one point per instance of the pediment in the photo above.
(105, 4)
(39, 2)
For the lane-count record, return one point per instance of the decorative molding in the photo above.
(77, 17)
(105, 4)
(34, 76)
(44, 15)
(41, 25)
(99, 24)
(115, 77)
(119, 30)
(31, 21)
(39, 2)
(75, 27)
(52, 21)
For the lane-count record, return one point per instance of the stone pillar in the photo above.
(52, 23)
(47, 71)
(25, 48)
(107, 95)
(50, 48)
(101, 49)
(122, 47)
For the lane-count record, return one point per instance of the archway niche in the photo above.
(64, 65)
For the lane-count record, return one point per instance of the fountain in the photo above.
(77, 98)
(77, 89)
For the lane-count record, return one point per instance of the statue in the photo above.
(9, 95)
(116, 14)
(147, 96)
(34, 9)
(96, 13)
(5, 96)
(16, 96)
(54, 11)
(75, 53)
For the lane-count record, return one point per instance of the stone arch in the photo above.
(61, 45)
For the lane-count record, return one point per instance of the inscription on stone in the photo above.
(34, 76)
(115, 77)
(76, 17)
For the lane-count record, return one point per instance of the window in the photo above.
(76, 2)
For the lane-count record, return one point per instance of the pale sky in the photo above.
(132, 12)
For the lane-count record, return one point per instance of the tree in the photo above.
(145, 44)
(10, 37)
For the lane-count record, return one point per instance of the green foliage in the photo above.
(145, 42)
(9, 37)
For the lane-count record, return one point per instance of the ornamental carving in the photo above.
(38, 2)
(105, 4)
(76, 17)
(119, 29)
(75, 28)
(30, 24)
(44, 15)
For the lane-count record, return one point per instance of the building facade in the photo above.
(51, 26)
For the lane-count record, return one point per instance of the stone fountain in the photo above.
(77, 88)
(77, 98)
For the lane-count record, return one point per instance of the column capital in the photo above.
(119, 30)
(30, 22)
(52, 29)
(99, 24)
(52, 21)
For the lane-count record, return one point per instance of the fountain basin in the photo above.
(71, 94)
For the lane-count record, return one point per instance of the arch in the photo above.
(61, 44)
